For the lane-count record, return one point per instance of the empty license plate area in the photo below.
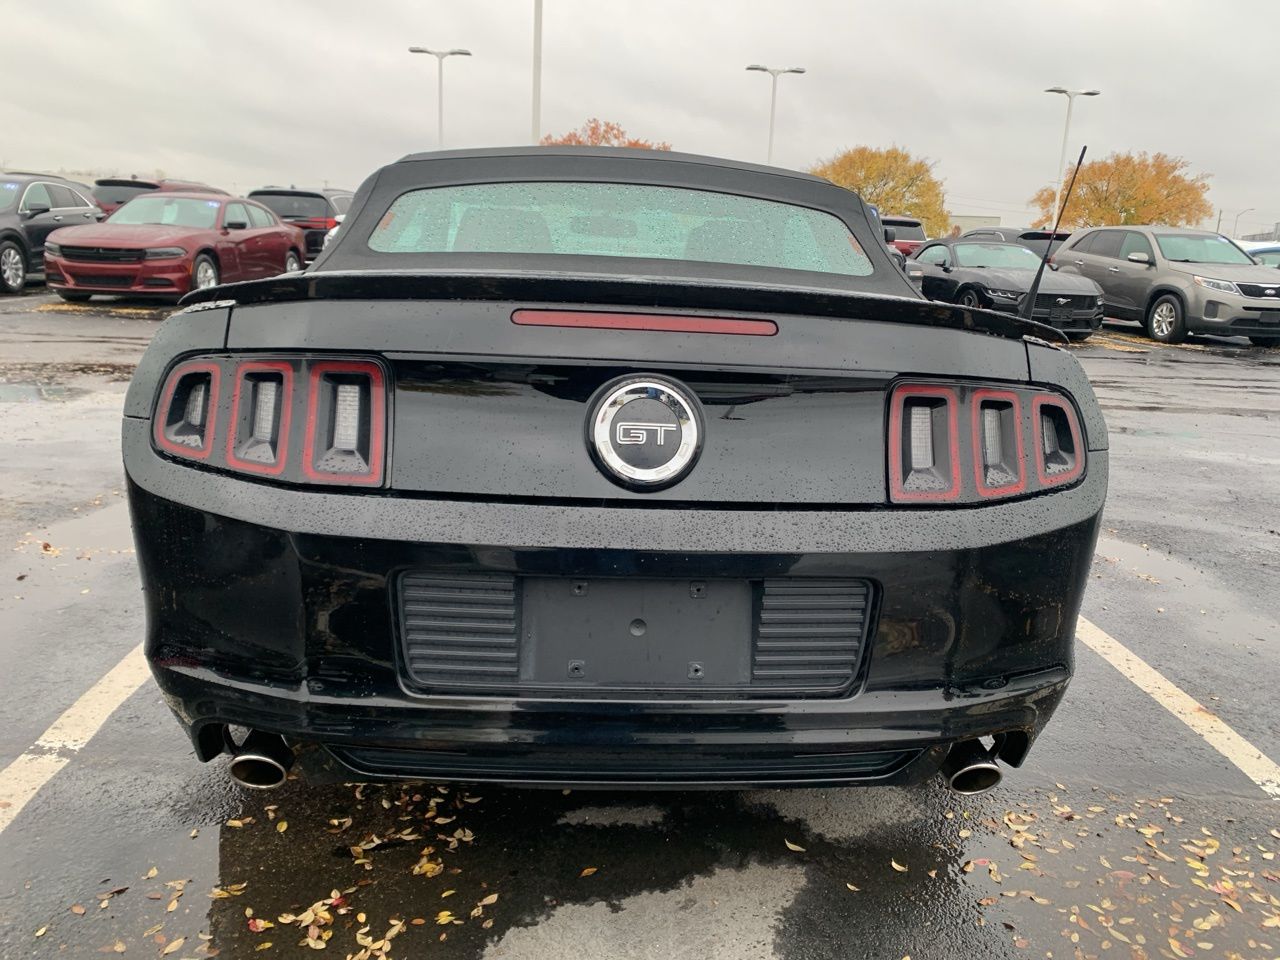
(637, 635)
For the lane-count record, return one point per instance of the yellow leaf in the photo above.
(448, 893)
(42, 931)
(118, 947)
(173, 947)
(588, 871)
(852, 887)
(282, 826)
(794, 847)
(489, 900)
(897, 866)
(265, 945)
(444, 917)
(150, 874)
(235, 824)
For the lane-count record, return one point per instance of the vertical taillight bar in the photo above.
(1059, 448)
(186, 419)
(261, 408)
(346, 423)
(999, 461)
(924, 444)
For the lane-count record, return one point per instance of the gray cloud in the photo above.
(285, 91)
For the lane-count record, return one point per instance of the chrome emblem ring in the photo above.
(645, 432)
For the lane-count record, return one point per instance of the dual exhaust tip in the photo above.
(261, 762)
(971, 768)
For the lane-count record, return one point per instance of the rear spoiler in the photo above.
(623, 292)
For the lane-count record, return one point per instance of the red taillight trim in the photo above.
(979, 474)
(655, 322)
(1057, 479)
(901, 394)
(166, 401)
(286, 405)
(377, 421)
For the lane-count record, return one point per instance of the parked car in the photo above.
(1035, 239)
(161, 245)
(908, 232)
(723, 503)
(113, 192)
(32, 206)
(1266, 253)
(997, 276)
(1177, 281)
(315, 212)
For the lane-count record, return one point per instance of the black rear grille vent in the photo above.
(460, 628)
(809, 634)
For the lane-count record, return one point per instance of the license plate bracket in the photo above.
(635, 634)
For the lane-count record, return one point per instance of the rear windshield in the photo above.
(294, 206)
(156, 208)
(999, 255)
(619, 220)
(906, 231)
(1184, 248)
(120, 193)
(10, 191)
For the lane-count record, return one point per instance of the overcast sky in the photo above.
(283, 91)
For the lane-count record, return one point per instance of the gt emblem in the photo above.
(639, 432)
(1063, 301)
(644, 432)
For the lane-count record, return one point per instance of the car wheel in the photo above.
(74, 297)
(1165, 322)
(1265, 341)
(13, 267)
(1079, 337)
(204, 273)
(291, 263)
(969, 298)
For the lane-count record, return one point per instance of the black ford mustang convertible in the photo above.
(608, 467)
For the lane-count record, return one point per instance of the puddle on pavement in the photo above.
(28, 392)
(469, 873)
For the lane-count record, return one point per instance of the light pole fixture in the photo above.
(536, 118)
(1235, 229)
(774, 73)
(1066, 130)
(440, 57)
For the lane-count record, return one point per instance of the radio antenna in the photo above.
(1029, 302)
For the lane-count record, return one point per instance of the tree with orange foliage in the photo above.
(600, 133)
(1129, 188)
(892, 180)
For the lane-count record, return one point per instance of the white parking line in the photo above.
(1255, 765)
(22, 779)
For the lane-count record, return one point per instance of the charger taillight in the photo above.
(924, 445)
(346, 423)
(184, 423)
(926, 450)
(340, 404)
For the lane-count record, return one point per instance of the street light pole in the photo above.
(774, 73)
(440, 57)
(536, 133)
(1066, 131)
(1235, 229)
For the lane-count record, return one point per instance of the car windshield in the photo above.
(168, 211)
(119, 192)
(294, 206)
(1200, 248)
(906, 231)
(10, 191)
(619, 220)
(1004, 256)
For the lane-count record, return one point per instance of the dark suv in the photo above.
(1177, 281)
(315, 211)
(32, 206)
(114, 192)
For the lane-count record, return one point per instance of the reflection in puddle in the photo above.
(27, 392)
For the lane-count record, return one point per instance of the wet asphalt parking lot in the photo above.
(1146, 822)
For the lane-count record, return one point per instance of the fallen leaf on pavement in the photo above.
(794, 847)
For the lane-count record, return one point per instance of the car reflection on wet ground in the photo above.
(1126, 834)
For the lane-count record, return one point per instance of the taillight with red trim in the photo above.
(962, 443)
(243, 415)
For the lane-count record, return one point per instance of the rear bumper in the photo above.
(156, 278)
(273, 608)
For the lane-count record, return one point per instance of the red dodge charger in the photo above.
(163, 245)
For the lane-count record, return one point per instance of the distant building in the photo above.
(1272, 234)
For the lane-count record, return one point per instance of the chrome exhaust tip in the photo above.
(970, 768)
(262, 762)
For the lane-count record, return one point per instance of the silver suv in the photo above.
(1176, 281)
